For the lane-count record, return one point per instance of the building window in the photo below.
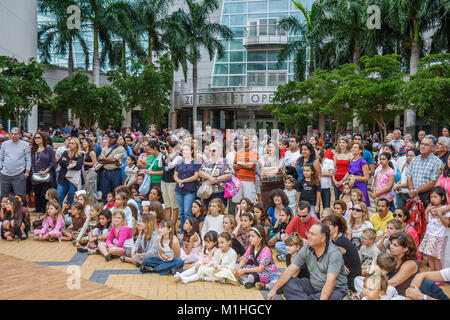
(258, 6)
(234, 8)
(220, 81)
(238, 20)
(237, 68)
(256, 56)
(237, 81)
(256, 66)
(237, 56)
(221, 69)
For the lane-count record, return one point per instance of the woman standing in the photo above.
(185, 175)
(215, 171)
(327, 173)
(271, 165)
(128, 152)
(142, 160)
(341, 163)
(70, 178)
(43, 162)
(152, 168)
(358, 171)
(308, 157)
(90, 175)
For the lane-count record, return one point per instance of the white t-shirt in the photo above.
(357, 232)
(435, 226)
(327, 165)
(59, 152)
(291, 157)
(445, 273)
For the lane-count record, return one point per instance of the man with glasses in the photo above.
(325, 264)
(301, 224)
(442, 149)
(380, 219)
(15, 165)
(423, 171)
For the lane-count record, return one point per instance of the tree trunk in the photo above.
(124, 59)
(356, 54)
(95, 59)
(70, 68)
(311, 61)
(383, 128)
(194, 94)
(150, 48)
(322, 119)
(410, 126)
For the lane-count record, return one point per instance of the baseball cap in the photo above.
(113, 134)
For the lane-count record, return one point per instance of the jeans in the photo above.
(431, 289)
(337, 193)
(273, 276)
(161, 266)
(301, 289)
(326, 197)
(313, 212)
(400, 199)
(280, 246)
(184, 205)
(63, 189)
(111, 179)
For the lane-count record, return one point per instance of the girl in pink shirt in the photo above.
(206, 255)
(53, 223)
(120, 239)
(384, 179)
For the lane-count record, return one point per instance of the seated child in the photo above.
(191, 241)
(393, 226)
(262, 218)
(78, 219)
(52, 225)
(198, 209)
(168, 260)
(262, 265)
(368, 251)
(229, 224)
(214, 219)
(242, 232)
(145, 244)
(376, 287)
(101, 231)
(205, 258)
(110, 198)
(279, 229)
(89, 225)
(339, 208)
(326, 212)
(221, 267)
(16, 223)
(120, 239)
(82, 197)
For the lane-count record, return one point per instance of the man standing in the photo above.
(442, 149)
(66, 130)
(291, 155)
(326, 267)
(111, 158)
(380, 219)
(423, 171)
(420, 136)
(300, 224)
(397, 142)
(244, 167)
(15, 158)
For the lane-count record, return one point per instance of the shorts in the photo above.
(247, 190)
(168, 194)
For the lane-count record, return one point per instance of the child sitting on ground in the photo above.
(242, 232)
(262, 218)
(222, 264)
(229, 224)
(262, 265)
(89, 225)
(393, 226)
(339, 208)
(198, 209)
(376, 286)
(100, 232)
(279, 229)
(368, 251)
(214, 219)
(191, 241)
(145, 245)
(52, 225)
(205, 258)
(78, 218)
(110, 198)
(82, 197)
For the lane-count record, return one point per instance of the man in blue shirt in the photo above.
(66, 130)
(368, 156)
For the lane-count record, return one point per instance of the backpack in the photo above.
(417, 220)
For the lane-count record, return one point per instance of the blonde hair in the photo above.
(327, 212)
(338, 148)
(122, 213)
(150, 226)
(360, 194)
(365, 216)
(294, 239)
(219, 202)
(170, 225)
(85, 202)
(232, 220)
(78, 152)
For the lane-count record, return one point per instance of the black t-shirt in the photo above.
(308, 191)
(304, 273)
(351, 259)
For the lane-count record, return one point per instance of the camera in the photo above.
(162, 147)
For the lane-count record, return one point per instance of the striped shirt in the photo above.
(422, 171)
(246, 157)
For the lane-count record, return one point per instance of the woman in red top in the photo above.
(341, 163)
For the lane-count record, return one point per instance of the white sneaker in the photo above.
(184, 279)
(176, 276)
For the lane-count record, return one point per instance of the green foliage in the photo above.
(147, 86)
(22, 87)
(91, 104)
(427, 91)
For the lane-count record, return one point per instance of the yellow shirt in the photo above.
(380, 225)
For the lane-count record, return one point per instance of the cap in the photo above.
(402, 150)
(113, 134)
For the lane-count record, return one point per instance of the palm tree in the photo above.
(56, 35)
(152, 18)
(198, 32)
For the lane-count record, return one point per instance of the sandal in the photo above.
(261, 286)
(122, 258)
(81, 249)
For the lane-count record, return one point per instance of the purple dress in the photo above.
(356, 169)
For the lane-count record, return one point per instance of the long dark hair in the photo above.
(314, 180)
(17, 215)
(212, 236)
(264, 215)
(262, 234)
(388, 157)
(312, 156)
(195, 229)
(34, 146)
(336, 221)
(279, 192)
(406, 241)
(107, 214)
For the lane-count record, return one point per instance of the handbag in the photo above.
(205, 191)
(38, 178)
(232, 186)
(145, 186)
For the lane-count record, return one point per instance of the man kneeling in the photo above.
(326, 267)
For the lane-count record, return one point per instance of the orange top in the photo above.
(246, 157)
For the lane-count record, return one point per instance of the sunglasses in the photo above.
(395, 215)
(303, 216)
(359, 210)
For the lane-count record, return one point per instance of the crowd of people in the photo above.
(227, 204)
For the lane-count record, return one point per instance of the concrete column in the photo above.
(127, 118)
(222, 119)
(173, 124)
(205, 117)
(355, 123)
(410, 122)
(33, 120)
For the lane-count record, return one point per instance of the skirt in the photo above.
(266, 189)
(432, 246)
